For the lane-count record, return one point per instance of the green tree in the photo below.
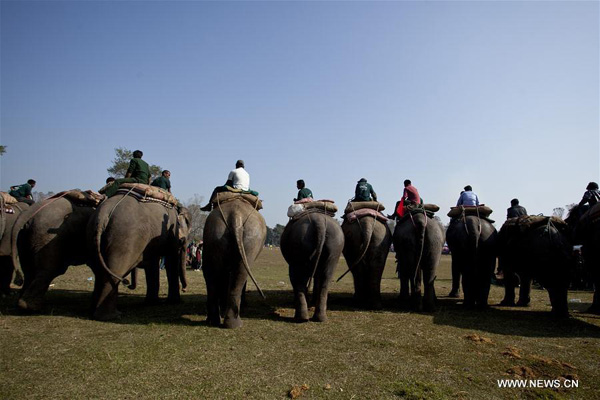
(2, 149)
(274, 235)
(197, 215)
(119, 166)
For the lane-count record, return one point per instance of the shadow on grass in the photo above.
(192, 312)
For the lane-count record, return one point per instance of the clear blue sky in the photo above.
(500, 95)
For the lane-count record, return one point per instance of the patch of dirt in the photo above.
(478, 339)
(522, 371)
(296, 391)
(512, 352)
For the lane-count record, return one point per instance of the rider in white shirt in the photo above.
(237, 179)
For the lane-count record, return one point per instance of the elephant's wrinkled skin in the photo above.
(542, 253)
(135, 234)
(46, 240)
(312, 246)
(472, 243)
(234, 235)
(587, 233)
(418, 242)
(366, 246)
(6, 263)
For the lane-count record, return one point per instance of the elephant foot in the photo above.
(232, 323)
(131, 287)
(174, 300)
(32, 306)
(151, 301)
(524, 303)
(375, 305)
(593, 309)
(429, 307)
(213, 321)
(507, 303)
(454, 294)
(107, 316)
(482, 306)
(320, 317)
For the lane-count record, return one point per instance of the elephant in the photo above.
(586, 231)
(541, 251)
(46, 240)
(234, 236)
(125, 233)
(6, 263)
(418, 241)
(366, 246)
(473, 245)
(312, 244)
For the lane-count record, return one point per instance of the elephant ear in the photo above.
(183, 226)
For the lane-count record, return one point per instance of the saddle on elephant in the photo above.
(146, 193)
(524, 223)
(88, 198)
(8, 199)
(482, 211)
(412, 209)
(302, 208)
(591, 216)
(356, 210)
(231, 194)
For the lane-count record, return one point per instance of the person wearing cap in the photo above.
(163, 181)
(591, 197)
(468, 197)
(515, 209)
(364, 191)
(23, 192)
(237, 179)
(303, 191)
(138, 172)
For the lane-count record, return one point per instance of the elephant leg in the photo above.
(106, 291)
(595, 307)
(405, 280)
(320, 293)
(237, 281)
(374, 288)
(173, 272)
(33, 295)
(416, 301)
(558, 300)
(429, 301)
(468, 285)
(525, 291)
(6, 274)
(359, 284)
(133, 277)
(483, 282)
(152, 282)
(212, 296)
(510, 282)
(454, 292)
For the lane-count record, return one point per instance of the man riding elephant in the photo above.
(138, 172)
(23, 192)
(237, 179)
(163, 181)
(364, 191)
(303, 191)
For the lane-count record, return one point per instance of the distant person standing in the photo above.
(163, 181)
(364, 191)
(237, 179)
(303, 191)
(23, 192)
(515, 209)
(138, 172)
(468, 197)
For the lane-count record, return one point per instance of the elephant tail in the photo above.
(367, 236)
(101, 224)
(321, 228)
(237, 227)
(473, 227)
(420, 225)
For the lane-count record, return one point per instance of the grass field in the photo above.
(169, 351)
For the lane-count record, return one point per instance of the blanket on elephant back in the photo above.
(89, 198)
(8, 199)
(591, 216)
(311, 211)
(410, 211)
(481, 211)
(359, 205)
(146, 193)
(525, 223)
(364, 212)
(224, 197)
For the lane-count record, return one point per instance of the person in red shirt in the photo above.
(410, 195)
